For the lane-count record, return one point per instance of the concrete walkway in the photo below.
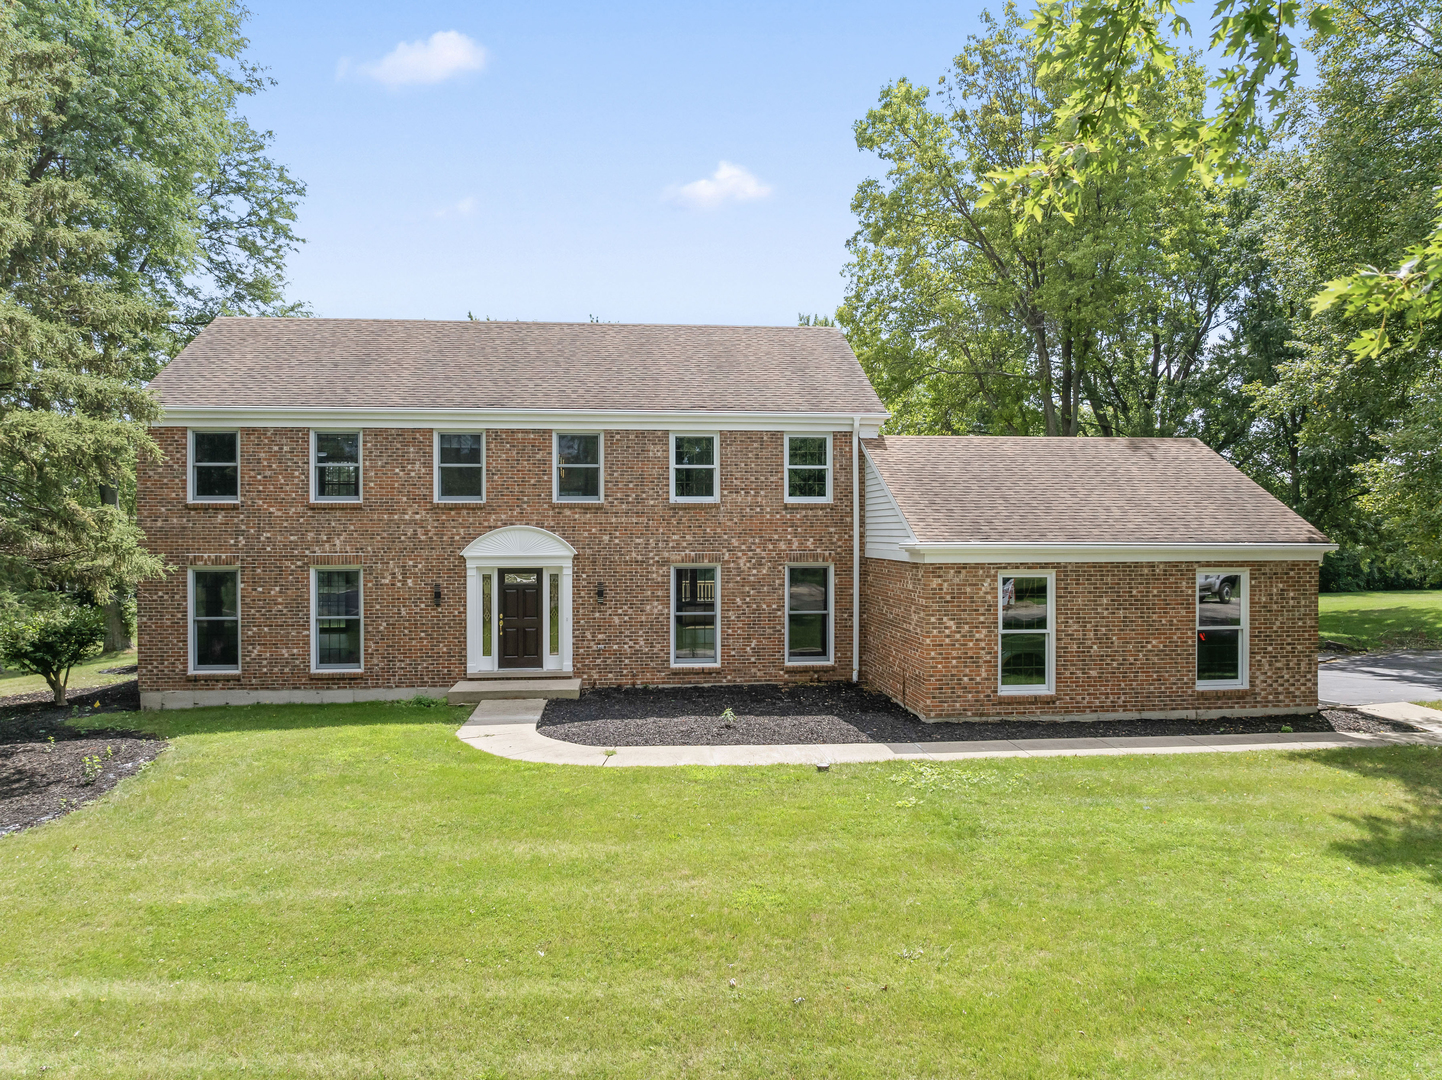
(1380, 677)
(508, 729)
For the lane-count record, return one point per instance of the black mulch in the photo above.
(43, 771)
(841, 713)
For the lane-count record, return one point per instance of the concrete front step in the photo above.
(470, 692)
(515, 673)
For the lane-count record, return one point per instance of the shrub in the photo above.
(50, 643)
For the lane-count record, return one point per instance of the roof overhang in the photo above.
(934, 552)
(635, 420)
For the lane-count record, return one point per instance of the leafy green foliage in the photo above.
(1090, 322)
(49, 643)
(135, 204)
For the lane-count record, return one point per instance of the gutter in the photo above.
(856, 497)
(936, 552)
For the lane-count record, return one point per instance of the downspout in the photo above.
(855, 549)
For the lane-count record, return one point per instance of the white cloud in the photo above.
(729, 183)
(445, 54)
(463, 208)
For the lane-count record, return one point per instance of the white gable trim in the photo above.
(886, 526)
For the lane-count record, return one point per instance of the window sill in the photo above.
(709, 665)
(579, 502)
(1203, 687)
(336, 502)
(806, 502)
(810, 663)
(459, 502)
(681, 499)
(1028, 692)
(329, 673)
(212, 502)
(229, 674)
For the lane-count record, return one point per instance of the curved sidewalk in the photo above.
(508, 729)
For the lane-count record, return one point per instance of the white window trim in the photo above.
(600, 495)
(786, 466)
(830, 660)
(1050, 687)
(315, 665)
(671, 614)
(190, 464)
(191, 667)
(715, 467)
(360, 464)
(436, 466)
(1244, 666)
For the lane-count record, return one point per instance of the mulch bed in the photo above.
(842, 713)
(43, 771)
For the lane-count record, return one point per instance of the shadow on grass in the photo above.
(169, 723)
(1410, 836)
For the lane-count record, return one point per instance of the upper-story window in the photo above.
(460, 466)
(693, 468)
(336, 466)
(578, 464)
(214, 466)
(808, 468)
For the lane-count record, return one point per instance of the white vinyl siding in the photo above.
(886, 529)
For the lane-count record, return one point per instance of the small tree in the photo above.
(50, 643)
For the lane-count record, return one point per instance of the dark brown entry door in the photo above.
(520, 618)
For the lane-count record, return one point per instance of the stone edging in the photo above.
(508, 729)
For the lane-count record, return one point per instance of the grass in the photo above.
(351, 892)
(86, 676)
(1381, 620)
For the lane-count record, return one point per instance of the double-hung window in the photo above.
(1028, 633)
(693, 468)
(808, 468)
(214, 466)
(214, 619)
(694, 615)
(578, 458)
(336, 471)
(1222, 618)
(336, 630)
(808, 615)
(460, 466)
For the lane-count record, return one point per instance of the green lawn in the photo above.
(82, 676)
(352, 892)
(1382, 620)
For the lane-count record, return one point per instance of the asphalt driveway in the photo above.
(1376, 677)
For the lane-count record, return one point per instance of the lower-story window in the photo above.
(215, 620)
(1222, 616)
(1028, 634)
(337, 633)
(694, 603)
(808, 614)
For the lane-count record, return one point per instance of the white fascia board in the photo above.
(634, 420)
(1045, 553)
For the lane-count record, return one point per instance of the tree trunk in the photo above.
(117, 635)
(58, 687)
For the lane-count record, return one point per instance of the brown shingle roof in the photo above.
(983, 489)
(414, 364)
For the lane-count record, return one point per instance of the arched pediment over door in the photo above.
(487, 558)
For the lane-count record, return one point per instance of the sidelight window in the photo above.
(214, 620)
(808, 615)
(336, 470)
(1222, 627)
(578, 458)
(695, 606)
(808, 468)
(214, 466)
(336, 633)
(460, 466)
(1028, 655)
(694, 468)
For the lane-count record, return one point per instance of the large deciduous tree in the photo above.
(135, 204)
(1090, 320)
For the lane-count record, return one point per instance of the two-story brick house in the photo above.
(372, 508)
(364, 509)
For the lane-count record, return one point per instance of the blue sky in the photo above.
(558, 161)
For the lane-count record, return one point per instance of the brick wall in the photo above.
(1125, 639)
(407, 544)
